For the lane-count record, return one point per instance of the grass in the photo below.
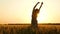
(27, 29)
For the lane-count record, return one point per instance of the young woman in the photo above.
(34, 14)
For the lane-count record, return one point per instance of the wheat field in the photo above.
(27, 29)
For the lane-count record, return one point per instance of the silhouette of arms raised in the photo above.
(41, 5)
(36, 5)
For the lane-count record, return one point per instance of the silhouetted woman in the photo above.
(34, 15)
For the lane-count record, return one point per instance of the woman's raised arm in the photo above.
(41, 5)
(36, 5)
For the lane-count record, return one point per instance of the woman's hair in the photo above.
(37, 10)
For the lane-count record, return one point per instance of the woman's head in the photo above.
(37, 10)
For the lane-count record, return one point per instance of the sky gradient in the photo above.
(19, 11)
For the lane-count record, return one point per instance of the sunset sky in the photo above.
(19, 11)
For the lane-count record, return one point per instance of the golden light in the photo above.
(19, 11)
(42, 16)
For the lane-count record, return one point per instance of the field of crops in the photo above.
(27, 29)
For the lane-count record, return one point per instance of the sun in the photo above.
(42, 16)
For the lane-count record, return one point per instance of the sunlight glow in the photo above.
(42, 16)
(20, 11)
